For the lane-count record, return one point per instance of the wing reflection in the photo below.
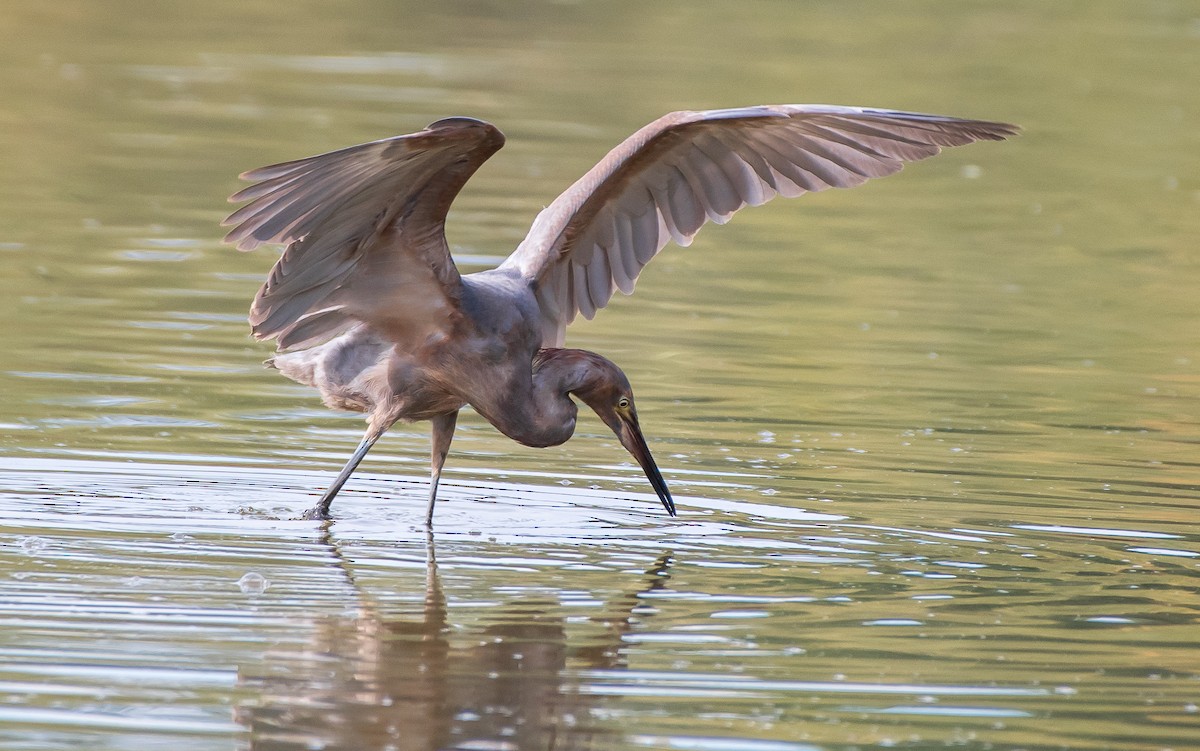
(370, 681)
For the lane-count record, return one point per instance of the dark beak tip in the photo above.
(635, 443)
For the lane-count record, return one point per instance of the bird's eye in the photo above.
(623, 402)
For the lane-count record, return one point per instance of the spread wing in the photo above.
(364, 228)
(666, 180)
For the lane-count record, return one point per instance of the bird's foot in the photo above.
(316, 514)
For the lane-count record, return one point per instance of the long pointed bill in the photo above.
(631, 438)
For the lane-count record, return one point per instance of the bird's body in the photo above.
(368, 307)
(488, 359)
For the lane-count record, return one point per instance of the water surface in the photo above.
(933, 440)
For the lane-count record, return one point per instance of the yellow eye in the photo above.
(623, 403)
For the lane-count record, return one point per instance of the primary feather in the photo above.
(687, 168)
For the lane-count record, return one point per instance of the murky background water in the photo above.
(934, 440)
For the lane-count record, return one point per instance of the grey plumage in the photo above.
(366, 304)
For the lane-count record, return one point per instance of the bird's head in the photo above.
(606, 390)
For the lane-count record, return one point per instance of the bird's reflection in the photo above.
(372, 682)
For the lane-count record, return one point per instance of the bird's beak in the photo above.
(625, 425)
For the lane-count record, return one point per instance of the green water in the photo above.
(933, 440)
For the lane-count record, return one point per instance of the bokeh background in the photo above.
(934, 439)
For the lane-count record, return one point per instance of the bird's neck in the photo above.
(545, 415)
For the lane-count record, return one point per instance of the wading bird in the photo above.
(367, 305)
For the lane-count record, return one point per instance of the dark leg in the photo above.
(321, 510)
(443, 432)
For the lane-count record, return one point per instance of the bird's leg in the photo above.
(321, 510)
(442, 434)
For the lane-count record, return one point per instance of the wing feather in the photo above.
(314, 328)
(706, 179)
(746, 183)
(744, 151)
(583, 295)
(662, 199)
(599, 277)
(824, 172)
(364, 229)
(647, 229)
(687, 168)
(687, 207)
(621, 277)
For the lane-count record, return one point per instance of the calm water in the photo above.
(934, 440)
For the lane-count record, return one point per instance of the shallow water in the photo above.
(932, 440)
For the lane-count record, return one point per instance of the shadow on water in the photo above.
(374, 680)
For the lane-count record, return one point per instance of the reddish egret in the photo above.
(367, 306)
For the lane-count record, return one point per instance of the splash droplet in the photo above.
(253, 583)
